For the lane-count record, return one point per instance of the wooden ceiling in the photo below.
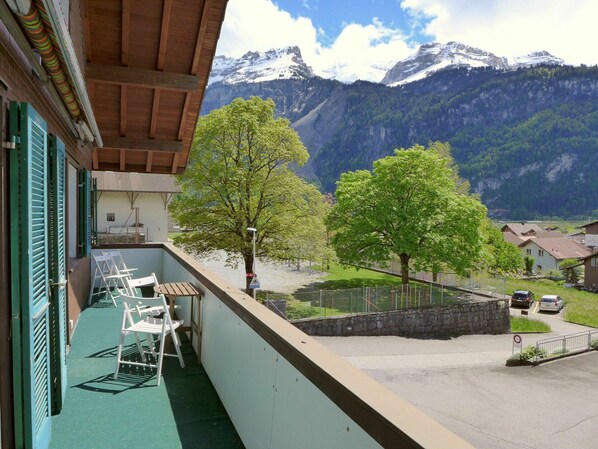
(148, 63)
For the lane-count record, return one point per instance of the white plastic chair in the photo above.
(109, 279)
(136, 321)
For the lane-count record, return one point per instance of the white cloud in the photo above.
(513, 27)
(359, 52)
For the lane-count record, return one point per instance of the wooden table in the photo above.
(174, 290)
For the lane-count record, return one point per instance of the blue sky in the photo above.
(360, 39)
(332, 16)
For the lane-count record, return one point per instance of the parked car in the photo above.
(552, 303)
(523, 298)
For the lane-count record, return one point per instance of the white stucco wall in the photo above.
(547, 262)
(151, 213)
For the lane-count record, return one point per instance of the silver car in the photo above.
(552, 303)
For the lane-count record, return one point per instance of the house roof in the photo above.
(147, 68)
(512, 238)
(135, 182)
(549, 234)
(561, 247)
(522, 228)
(589, 224)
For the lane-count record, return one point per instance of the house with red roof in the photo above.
(549, 252)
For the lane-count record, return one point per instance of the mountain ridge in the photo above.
(287, 63)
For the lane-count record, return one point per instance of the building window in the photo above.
(540, 252)
(528, 252)
(110, 216)
(594, 262)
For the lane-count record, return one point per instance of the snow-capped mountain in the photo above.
(256, 67)
(287, 63)
(535, 58)
(433, 57)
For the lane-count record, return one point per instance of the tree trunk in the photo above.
(248, 259)
(404, 268)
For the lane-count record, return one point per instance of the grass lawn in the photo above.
(580, 307)
(343, 278)
(520, 324)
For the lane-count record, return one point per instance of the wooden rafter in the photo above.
(126, 18)
(123, 159)
(127, 143)
(175, 163)
(148, 162)
(154, 116)
(123, 111)
(184, 115)
(152, 79)
(201, 34)
(164, 34)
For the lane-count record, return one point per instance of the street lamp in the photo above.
(253, 230)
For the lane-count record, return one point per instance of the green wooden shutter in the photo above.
(58, 312)
(84, 213)
(29, 277)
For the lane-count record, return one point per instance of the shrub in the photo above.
(531, 353)
(594, 344)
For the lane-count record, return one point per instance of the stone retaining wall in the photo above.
(480, 317)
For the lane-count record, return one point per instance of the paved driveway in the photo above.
(464, 384)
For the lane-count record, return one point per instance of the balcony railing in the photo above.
(281, 388)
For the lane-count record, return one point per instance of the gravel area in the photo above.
(273, 276)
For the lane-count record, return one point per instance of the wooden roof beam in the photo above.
(164, 34)
(152, 79)
(127, 143)
(126, 19)
(203, 28)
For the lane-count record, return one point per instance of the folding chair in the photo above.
(119, 265)
(135, 286)
(136, 321)
(109, 280)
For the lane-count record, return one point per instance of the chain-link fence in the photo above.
(326, 303)
(477, 283)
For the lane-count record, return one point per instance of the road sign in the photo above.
(255, 283)
(517, 343)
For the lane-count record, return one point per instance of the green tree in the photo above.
(502, 257)
(238, 177)
(411, 206)
(529, 261)
(571, 270)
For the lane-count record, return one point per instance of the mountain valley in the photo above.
(524, 132)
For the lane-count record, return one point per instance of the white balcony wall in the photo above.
(271, 404)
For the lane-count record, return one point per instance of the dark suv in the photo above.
(522, 298)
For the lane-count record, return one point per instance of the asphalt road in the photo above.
(464, 384)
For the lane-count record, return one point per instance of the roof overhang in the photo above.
(147, 68)
(148, 64)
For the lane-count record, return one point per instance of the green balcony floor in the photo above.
(132, 412)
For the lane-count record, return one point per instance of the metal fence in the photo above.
(326, 303)
(555, 347)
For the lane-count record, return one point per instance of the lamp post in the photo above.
(253, 230)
